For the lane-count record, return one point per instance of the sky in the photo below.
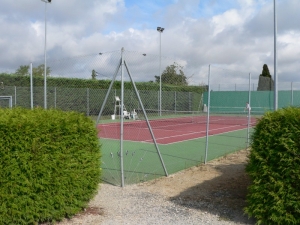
(233, 36)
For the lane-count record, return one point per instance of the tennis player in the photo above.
(248, 108)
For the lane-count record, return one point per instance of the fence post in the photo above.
(249, 110)
(31, 87)
(159, 104)
(87, 102)
(15, 96)
(292, 94)
(175, 102)
(55, 96)
(122, 118)
(207, 121)
(190, 101)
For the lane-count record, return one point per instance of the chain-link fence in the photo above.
(239, 105)
(230, 112)
(85, 84)
(144, 130)
(149, 129)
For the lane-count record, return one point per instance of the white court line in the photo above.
(199, 132)
(173, 136)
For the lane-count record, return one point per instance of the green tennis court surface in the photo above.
(141, 161)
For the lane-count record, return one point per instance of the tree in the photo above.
(40, 70)
(265, 72)
(22, 71)
(36, 71)
(173, 74)
(265, 81)
(94, 75)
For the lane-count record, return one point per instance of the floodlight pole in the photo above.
(275, 60)
(160, 30)
(45, 55)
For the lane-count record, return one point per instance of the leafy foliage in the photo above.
(265, 72)
(173, 74)
(49, 165)
(40, 71)
(23, 70)
(274, 167)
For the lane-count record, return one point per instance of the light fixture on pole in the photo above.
(45, 55)
(160, 30)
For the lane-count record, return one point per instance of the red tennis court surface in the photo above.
(170, 131)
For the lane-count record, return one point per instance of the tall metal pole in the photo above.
(159, 73)
(160, 30)
(45, 55)
(249, 112)
(208, 112)
(31, 87)
(275, 60)
(122, 118)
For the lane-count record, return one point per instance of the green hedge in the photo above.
(274, 167)
(86, 96)
(49, 164)
(24, 81)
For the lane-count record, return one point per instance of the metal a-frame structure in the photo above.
(123, 65)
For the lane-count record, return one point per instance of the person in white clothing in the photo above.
(247, 108)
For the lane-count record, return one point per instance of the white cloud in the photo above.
(235, 35)
(228, 19)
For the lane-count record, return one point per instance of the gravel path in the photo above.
(213, 194)
(135, 205)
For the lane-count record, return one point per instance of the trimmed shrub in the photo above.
(274, 168)
(49, 164)
(11, 80)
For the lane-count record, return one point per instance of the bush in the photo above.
(274, 168)
(49, 165)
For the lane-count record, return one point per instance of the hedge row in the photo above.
(274, 167)
(24, 81)
(49, 164)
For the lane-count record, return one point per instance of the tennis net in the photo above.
(185, 118)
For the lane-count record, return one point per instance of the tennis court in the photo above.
(172, 130)
(181, 140)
